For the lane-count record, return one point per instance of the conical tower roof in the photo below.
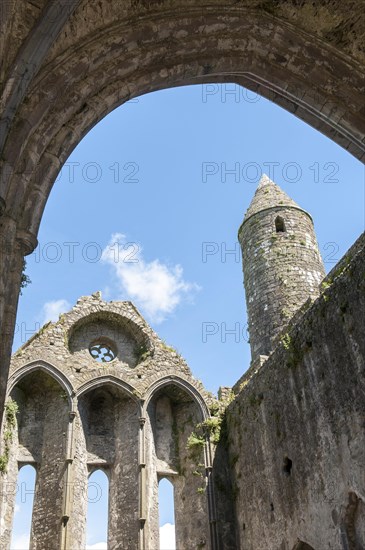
(269, 195)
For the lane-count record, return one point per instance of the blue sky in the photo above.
(169, 176)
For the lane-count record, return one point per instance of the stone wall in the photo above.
(172, 417)
(66, 64)
(39, 439)
(130, 416)
(296, 428)
(288, 470)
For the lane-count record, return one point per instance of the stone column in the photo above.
(74, 535)
(190, 487)
(48, 511)
(75, 486)
(14, 245)
(124, 518)
(150, 489)
(8, 485)
(212, 512)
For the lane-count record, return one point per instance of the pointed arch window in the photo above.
(97, 510)
(166, 515)
(22, 522)
(279, 225)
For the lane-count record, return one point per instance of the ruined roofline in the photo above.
(33, 337)
(92, 300)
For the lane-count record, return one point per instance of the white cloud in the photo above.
(97, 546)
(52, 310)
(154, 286)
(16, 508)
(167, 537)
(20, 542)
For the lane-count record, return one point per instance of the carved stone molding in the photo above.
(27, 241)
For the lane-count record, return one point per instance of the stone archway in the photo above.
(172, 409)
(39, 436)
(107, 438)
(90, 58)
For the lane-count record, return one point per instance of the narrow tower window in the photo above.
(279, 225)
(97, 510)
(22, 523)
(166, 515)
(288, 464)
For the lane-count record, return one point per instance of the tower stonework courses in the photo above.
(282, 264)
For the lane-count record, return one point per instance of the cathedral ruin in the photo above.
(274, 462)
(278, 461)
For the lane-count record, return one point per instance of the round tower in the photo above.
(282, 265)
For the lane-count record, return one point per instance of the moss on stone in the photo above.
(11, 409)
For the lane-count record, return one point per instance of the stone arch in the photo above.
(128, 336)
(112, 380)
(228, 43)
(49, 369)
(107, 438)
(100, 467)
(173, 407)
(43, 388)
(180, 383)
(125, 320)
(40, 437)
(94, 57)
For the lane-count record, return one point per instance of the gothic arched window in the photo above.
(97, 509)
(166, 514)
(22, 525)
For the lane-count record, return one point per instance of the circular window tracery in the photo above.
(102, 351)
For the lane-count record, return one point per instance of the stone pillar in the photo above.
(14, 245)
(73, 530)
(171, 420)
(190, 487)
(48, 511)
(74, 535)
(151, 528)
(148, 483)
(124, 518)
(8, 486)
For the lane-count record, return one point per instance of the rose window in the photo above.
(103, 352)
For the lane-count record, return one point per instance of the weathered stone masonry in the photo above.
(296, 428)
(281, 263)
(286, 471)
(292, 438)
(130, 416)
(65, 64)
